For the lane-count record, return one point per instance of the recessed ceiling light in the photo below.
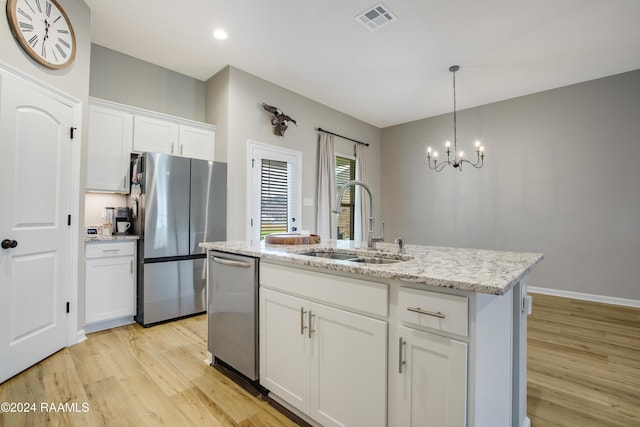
(220, 34)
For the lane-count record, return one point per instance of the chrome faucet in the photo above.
(400, 242)
(337, 207)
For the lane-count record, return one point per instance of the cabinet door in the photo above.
(428, 375)
(110, 288)
(348, 368)
(284, 347)
(196, 143)
(154, 135)
(108, 150)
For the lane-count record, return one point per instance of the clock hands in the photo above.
(46, 36)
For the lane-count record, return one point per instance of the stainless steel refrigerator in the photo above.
(183, 202)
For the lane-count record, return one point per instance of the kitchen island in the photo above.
(353, 336)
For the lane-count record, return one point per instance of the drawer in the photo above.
(109, 249)
(343, 292)
(433, 310)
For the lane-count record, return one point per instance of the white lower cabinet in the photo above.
(326, 362)
(110, 284)
(428, 379)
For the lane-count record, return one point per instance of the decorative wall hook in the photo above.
(280, 121)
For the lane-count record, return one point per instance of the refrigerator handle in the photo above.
(230, 262)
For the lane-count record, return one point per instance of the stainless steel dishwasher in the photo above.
(233, 311)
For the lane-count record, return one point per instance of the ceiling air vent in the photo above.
(375, 17)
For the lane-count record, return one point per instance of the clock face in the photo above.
(43, 30)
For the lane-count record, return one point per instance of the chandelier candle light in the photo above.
(457, 160)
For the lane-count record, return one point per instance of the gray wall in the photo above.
(561, 177)
(121, 78)
(247, 120)
(74, 81)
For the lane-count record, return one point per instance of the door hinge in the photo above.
(72, 131)
(69, 220)
(68, 306)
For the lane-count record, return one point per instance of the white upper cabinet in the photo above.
(116, 130)
(196, 142)
(155, 135)
(179, 138)
(109, 146)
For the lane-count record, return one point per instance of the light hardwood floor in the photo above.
(583, 363)
(584, 370)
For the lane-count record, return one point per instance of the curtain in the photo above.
(363, 210)
(326, 221)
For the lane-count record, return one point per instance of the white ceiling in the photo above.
(397, 74)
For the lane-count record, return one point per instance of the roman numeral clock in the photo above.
(43, 30)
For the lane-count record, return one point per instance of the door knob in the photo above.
(6, 244)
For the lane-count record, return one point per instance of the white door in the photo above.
(429, 381)
(348, 364)
(275, 183)
(35, 168)
(284, 347)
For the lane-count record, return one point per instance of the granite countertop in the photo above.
(113, 237)
(475, 270)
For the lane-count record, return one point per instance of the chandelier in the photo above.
(458, 159)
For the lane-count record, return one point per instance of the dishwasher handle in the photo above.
(231, 263)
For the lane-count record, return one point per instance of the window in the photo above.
(345, 172)
(274, 197)
(275, 181)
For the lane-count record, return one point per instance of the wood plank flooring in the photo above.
(134, 376)
(583, 363)
(584, 370)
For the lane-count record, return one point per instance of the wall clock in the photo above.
(43, 30)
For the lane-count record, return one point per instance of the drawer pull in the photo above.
(111, 250)
(428, 313)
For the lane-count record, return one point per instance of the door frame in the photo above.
(75, 334)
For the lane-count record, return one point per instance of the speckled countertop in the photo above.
(476, 270)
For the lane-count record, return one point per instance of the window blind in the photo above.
(345, 172)
(274, 199)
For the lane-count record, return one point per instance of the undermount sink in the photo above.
(374, 260)
(332, 255)
(351, 257)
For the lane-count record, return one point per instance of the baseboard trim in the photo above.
(586, 297)
(80, 336)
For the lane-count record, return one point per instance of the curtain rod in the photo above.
(343, 137)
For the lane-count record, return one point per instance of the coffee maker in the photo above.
(122, 222)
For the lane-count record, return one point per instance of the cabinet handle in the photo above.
(172, 148)
(231, 263)
(302, 327)
(131, 266)
(401, 361)
(124, 182)
(111, 250)
(428, 313)
(311, 316)
(181, 145)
